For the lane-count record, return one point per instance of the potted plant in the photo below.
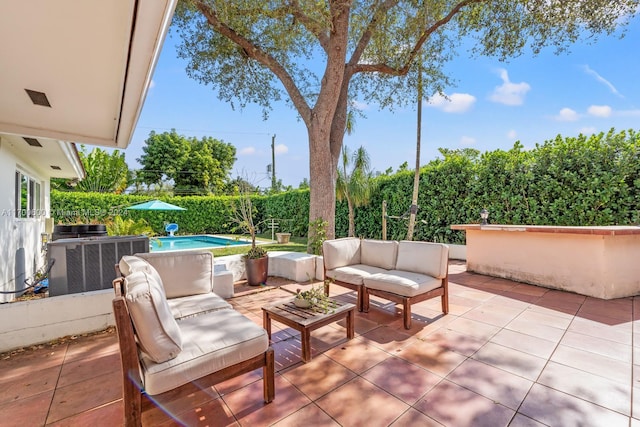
(256, 261)
(314, 298)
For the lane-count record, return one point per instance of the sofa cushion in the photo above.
(157, 330)
(183, 273)
(405, 283)
(212, 341)
(423, 257)
(341, 252)
(353, 273)
(130, 263)
(379, 253)
(196, 304)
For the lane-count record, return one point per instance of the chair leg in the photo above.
(406, 312)
(268, 376)
(326, 288)
(360, 297)
(365, 300)
(132, 404)
(445, 294)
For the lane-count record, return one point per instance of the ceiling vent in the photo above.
(57, 168)
(38, 98)
(32, 142)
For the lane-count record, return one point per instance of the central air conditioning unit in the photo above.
(83, 265)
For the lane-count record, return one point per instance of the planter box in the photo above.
(36, 321)
(283, 237)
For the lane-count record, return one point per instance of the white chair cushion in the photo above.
(341, 252)
(423, 257)
(353, 274)
(405, 283)
(130, 264)
(212, 341)
(156, 329)
(183, 273)
(379, 253)
(196, 304)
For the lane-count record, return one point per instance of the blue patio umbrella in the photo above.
(155, 205)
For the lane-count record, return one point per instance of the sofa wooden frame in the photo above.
(136, 401)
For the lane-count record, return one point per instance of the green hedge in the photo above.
(566, 181)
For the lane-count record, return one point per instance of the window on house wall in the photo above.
(27, 196)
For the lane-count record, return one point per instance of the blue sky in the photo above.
(591, 89)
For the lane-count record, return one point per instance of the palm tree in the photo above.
(416, 175)
(354, 186)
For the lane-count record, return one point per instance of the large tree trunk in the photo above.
(323, 170)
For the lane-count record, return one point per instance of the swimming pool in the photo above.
(204, 241)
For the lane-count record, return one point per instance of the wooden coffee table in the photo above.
(306, 320)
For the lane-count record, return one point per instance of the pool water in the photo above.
(178, 243)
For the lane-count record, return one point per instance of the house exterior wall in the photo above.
(20, 244)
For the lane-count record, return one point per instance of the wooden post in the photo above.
(384, 220)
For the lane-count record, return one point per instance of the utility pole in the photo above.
(273, 163)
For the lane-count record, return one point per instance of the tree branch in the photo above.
(312, 26)
(368, 33)
(258, 54)
(386, 69)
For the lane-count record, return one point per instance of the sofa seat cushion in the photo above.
(405, 283)
(158, 333)
(211, 341)
(196, 304)
(183, 273)
(353, 274)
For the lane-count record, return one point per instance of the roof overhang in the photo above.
(50, 158)
(93, 59)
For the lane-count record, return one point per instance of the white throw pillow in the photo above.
(130, 264)
(157, 331)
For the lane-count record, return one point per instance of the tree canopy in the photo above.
(196, 166)
(323, 55)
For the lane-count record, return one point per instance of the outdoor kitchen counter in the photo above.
(601, 262)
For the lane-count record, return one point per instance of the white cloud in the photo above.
(512, 134)
(599, 110)
(628, 113)
(567, 115)
(457, 102)
(467, 140)
(358, 105)
(588, 130)
(281, 149)
(247, 151)
(509, 93)
(602, 80)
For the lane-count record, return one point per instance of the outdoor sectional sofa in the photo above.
(173, 330)
(404, 272)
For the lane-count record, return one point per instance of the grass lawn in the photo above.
(296, 244)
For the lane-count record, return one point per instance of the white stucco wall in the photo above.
(19, 238)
